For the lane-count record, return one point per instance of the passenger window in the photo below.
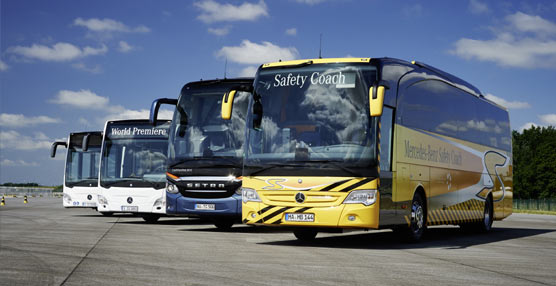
(386, 139)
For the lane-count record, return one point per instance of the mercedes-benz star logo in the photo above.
(89, 197)
(299, 197)
(129, 200)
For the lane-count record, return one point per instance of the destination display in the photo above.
(339, 79)
(137, 131)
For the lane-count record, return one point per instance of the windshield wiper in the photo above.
(334, 163)
(125, 180)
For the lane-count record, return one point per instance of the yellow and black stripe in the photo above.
(273, 214)
(469, 211)
(353, 183)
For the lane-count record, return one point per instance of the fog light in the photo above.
(351, 218)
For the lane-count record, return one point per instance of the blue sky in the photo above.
(69, 66)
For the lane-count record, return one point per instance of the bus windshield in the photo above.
(199, 137)
(132, 160)
(82, 167)
(315, 117)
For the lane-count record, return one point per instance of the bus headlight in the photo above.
(102, 200)
(159, 202)
(172, 189)
(249, 195)
(67, 198)
(365, 197)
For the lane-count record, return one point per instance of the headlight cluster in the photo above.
(159, 202)
(249, 195)
(67, 198)
(102, 200)
(365, 197)
(172, 189)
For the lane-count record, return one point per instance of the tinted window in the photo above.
(438, 107)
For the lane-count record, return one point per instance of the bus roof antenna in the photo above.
(320, 47)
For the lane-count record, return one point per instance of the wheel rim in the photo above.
(417, 215)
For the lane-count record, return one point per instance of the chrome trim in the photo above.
(206, 191)
(208, 178)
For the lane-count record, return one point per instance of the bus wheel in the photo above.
(107, 214)
(224, 224)
(418, 222)
(486, 223)
(150, 218)
(305, 234)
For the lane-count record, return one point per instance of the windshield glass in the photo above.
(199, 136)
(314, 116)
(134, 156)
(82, 167)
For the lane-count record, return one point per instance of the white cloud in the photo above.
(548, 119)
(212, 11)
(108, 25)
(527, 125)
(59, 52)
(124, 47)
(253, 53)
(477, 7)
(508, 104)
(14, 140)
(248, 71)
(3, 66)
(219, 31)
(94, 70)
(529, 23)
(18, 163)
(20, 120)
(310, 2)
(84, 99)
(526, 42)
(291, 32)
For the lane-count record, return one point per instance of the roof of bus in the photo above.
(316, 61)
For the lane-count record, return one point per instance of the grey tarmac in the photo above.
(41, 243)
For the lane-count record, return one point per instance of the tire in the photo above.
(418, 220)
(107, 214)
(224, 224)
(485, 225)
(151, 218)
(305, 234)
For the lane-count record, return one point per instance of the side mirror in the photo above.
(85, 143)
(228, 104)
(376, 98)
(54, 146)
(156, 105)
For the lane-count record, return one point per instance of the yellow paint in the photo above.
(227, 105)
(376, 104)
(317, 61)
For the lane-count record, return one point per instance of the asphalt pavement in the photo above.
(41, 243)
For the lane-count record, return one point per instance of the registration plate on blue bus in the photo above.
(205, 207)
(300, 217)
(130, 208)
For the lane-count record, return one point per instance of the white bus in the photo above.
(81, 170)
(132, 177)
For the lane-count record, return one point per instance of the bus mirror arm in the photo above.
(228, 100)
(55, 146)
(156, 106)
(85, 143)
(376, 98)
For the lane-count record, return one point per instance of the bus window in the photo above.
(386, 139)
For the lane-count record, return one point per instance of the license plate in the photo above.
(300, 217)
(205, 207)
(130, 208)
(89, 204)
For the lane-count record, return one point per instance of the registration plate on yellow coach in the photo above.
(300, 217)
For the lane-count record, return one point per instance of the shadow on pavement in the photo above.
(451, 238)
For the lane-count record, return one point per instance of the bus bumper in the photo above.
(176, 204)
(339, 216)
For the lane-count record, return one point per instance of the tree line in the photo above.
(534, 163)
